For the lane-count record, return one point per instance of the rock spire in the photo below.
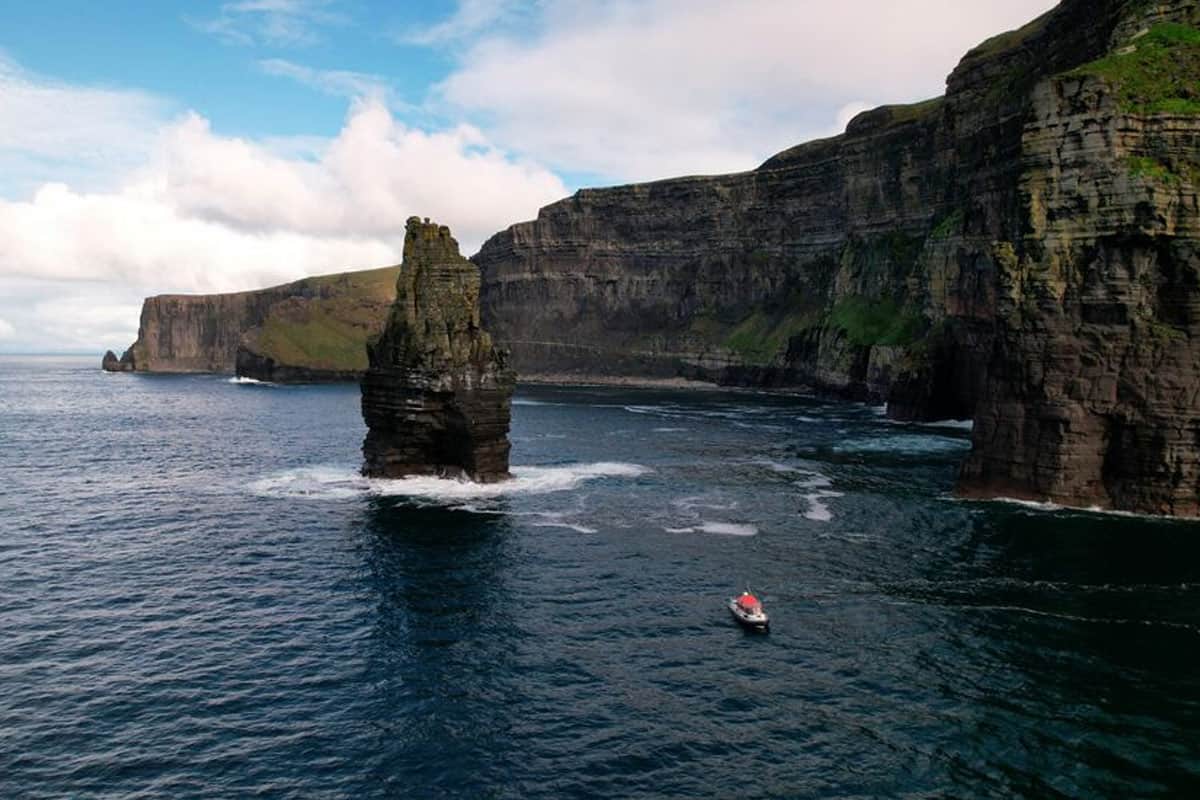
(437, 394)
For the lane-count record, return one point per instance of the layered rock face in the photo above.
(437, 396)
(1093, 390)
(312, 330)
(1021, 250)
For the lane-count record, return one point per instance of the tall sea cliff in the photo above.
(1022, 251)
(311, 330)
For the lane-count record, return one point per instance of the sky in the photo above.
(161, 147)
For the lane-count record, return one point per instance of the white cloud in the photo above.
(282, 23)
(7, 331)
(469, 18)
(56, 316)
(53, 130)
(641, 89)
(365, 182)
(341, 83)
(210, 213)
(213, 213)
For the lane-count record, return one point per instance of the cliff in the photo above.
(1093, 388)
(437, 395)
(312, 330)
(1021, 250)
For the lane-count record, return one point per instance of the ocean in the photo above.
(200, 597)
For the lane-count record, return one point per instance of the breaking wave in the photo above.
(719, 528)
(339, 483)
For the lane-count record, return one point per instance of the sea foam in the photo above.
(338, 483)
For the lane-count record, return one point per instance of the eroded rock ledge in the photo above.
(437, 394)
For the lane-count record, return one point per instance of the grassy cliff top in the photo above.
(327, 324)
(1158, 72)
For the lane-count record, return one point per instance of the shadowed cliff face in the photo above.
(310, 330)
(1093, 391)
(1022, 250)
(437, 396)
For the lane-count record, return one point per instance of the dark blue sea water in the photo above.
(200, 598)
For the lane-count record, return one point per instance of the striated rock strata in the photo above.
(1022, 250)
(312, 330)
(1093, 387)
(437, 395)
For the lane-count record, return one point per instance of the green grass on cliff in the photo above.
(1011, 40)
(321, 340)
(913, 112)
(875, 322)
(328, 325)
(762, 336)
(1159, 73)
(948, 226)
(1145, 167)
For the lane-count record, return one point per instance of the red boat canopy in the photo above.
(749, 602)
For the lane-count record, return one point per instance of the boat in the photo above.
(748, 611)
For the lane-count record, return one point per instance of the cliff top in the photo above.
(427, 242)
(326, 324)
(435, 319)
(377, 282)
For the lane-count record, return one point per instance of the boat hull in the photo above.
(754, 622)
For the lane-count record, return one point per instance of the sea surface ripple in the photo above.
(201, 597)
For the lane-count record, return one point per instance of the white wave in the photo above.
(945, 424)
(728, 529)
(524, 401)
(334, 483)
(242, 380)
(818, 509)
(908, 444)
(757, 426)
(775, 466)
(701, 502)
(563, 524)
(1055, 508)
(669, 430)
(643, 409)
(956, 424)
(719, 528)
(316, 483)
(817, 481)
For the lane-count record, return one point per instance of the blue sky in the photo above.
(154, 147)
(173, 50)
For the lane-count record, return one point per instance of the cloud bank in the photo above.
(205, 213)
(652, 88)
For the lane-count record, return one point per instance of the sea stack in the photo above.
(110, 362)
(437, 394)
